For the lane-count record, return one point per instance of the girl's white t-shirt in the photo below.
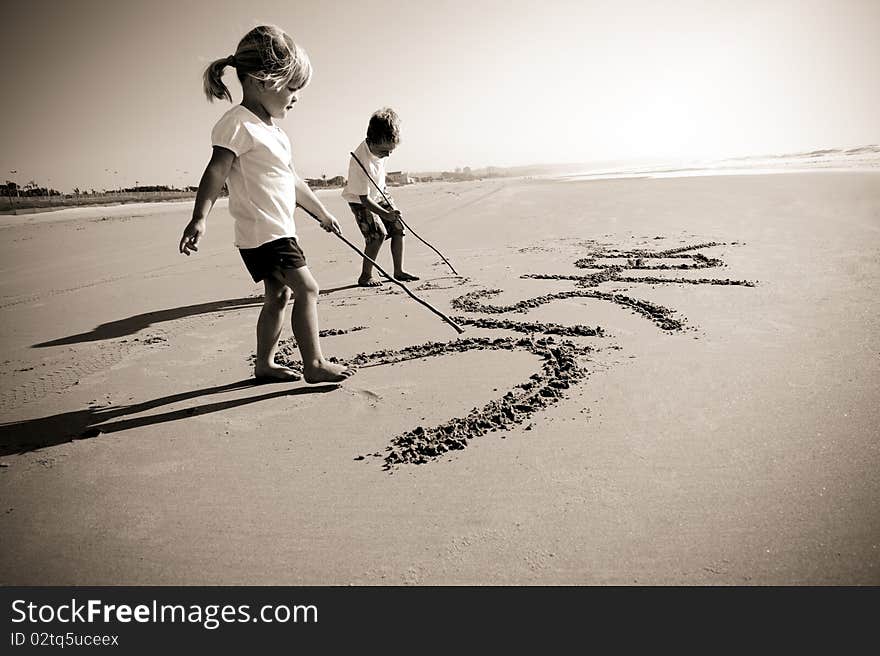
(262, 194)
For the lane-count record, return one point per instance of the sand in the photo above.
(663, 381)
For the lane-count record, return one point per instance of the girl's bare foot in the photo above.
(369, 282)
(328, 372)
(274, 372)
(403, 276)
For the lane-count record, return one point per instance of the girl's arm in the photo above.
(311, 204)
(209, 188)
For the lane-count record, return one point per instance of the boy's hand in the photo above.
(392, 214)
(330, 224)
(193, 232)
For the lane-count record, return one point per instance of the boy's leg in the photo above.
(394, 230)
(371, 248)
(269, 326)
(304, 320)
(397, 249)
(374, 234)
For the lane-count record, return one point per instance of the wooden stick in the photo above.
(415, 234)
(458, 328)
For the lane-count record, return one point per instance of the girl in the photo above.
(264, 189)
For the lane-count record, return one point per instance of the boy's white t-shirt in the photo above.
(358, 184)
(262, 194)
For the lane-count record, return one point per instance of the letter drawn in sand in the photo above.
(563, 363)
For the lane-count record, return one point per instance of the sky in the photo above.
(106, 93)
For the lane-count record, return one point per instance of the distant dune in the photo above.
(842, 158)
(872, 149)
(860, 158)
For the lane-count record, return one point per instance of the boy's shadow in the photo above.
(131, 325)
(32, 434)
(332, 290)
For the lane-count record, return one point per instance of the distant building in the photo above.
(317, 183)
(398, 178)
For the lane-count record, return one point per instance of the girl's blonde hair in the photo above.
(265, 53)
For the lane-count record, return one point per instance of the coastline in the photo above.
(858, 163)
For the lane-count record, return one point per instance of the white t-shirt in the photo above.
(358, 184)
(262, 195)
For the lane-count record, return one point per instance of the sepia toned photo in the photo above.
(448, 293)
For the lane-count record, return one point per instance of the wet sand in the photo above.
(662, 381)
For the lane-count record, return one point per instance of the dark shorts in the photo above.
(273, 258)
(371, 224)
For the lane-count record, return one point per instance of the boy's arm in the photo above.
(312, 204)
(391, 215)
(209, 188)
(359, 180)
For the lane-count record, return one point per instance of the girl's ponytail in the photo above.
(266, 53)
(213, 79)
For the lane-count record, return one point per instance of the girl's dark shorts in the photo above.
(271, 258)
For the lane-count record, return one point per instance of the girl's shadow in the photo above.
(33, 434)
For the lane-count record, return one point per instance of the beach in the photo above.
(670, 381)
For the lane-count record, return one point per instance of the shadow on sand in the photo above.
(131, 325)
(32, 434)
(338, 289)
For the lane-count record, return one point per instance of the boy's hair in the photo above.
(265, 53)
(384, 126)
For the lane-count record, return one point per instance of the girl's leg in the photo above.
(304, 320)
(269, 325)
(371, 248)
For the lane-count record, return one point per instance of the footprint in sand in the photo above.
(367, 394)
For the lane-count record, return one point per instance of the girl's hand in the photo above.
(193, 232)
(330, 224)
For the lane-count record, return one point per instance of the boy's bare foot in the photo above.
(369, 282)
(328, 372)
(403, 276)
(274, 372)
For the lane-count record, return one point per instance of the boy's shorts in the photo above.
(273, 257)
(369, 224)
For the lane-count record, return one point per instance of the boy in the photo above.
(376, 219)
